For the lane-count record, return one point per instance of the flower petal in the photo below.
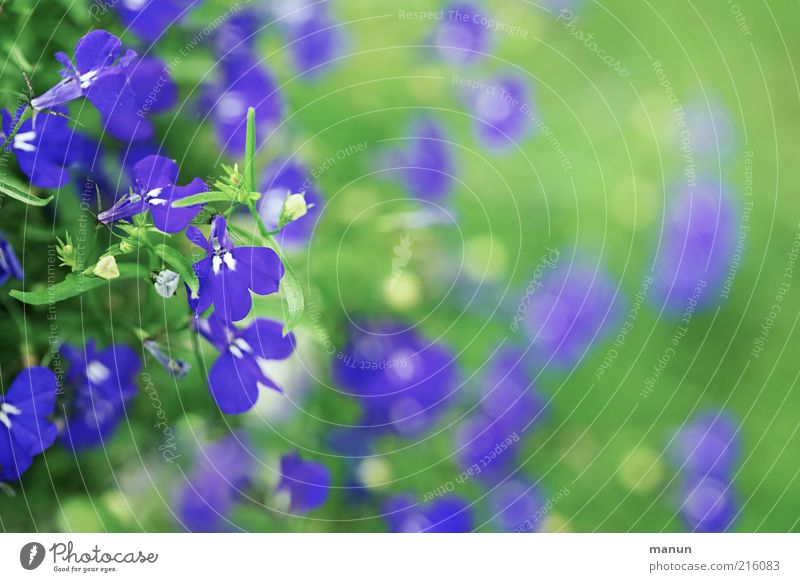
(261, 267)
(233, 383)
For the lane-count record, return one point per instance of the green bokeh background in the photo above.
(602, 441)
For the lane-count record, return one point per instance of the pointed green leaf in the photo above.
(74, 285)
(17, 194)
(201, 198)
(182, 266)
(250, 152)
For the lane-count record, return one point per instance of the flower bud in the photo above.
(106, 268)
(167, 283)
(294, 207)
(126, 247)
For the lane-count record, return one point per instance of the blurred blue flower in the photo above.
(313, 37)
(238, 34)
(487, 447)
(708, 505)
(227, 274)
(150, 19)
(460, 36)
(708, 446)
(9, 263)
(222, 469)
(98, 74)
(571, 312)
(447, 514)
(502, 110)
(241, 369)
(244, 83)
(307, 483)
(154, 189)
(100, 382)
(507, 391)
(24, 430)
(424, 164)
(154, 92)
(696, 248)
(402, 381)
(513, 503)
(45, 147)
(284, 177)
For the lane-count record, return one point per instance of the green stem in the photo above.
(22, 119)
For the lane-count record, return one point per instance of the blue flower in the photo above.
(149, 19)
(97, 74)
(571, 312)
(241, 369)
(280, 178)
(154, 92)
(425, 165)
(227, 274)
(307, 483)
(178, 368)
(154, 189)
(513, 503)
(697, 244)
(9, 263)
(222, 469)
(708, 505)
(487, 447)
(461, 37)
(502, 111)
(708, 446)
(245, 83)
(313, 37)
(45, 146)
(101, 383)
(507, 391)
(24, 429)
(403, 381)
(448, 514)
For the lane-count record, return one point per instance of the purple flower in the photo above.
(238, 35)
(9, 263)
(507, 392)
(306, 482)
(425, 164)
(571, 312)
(24, 429)
(284, 177)
(45, 147)
(461, 36)
(178, 368)
(154, 92)
(241, 369)
(448, 514)
(97, 74)
(102, 382)
(708, 505)
(513, 503)
(227, 274)
(696, 248)
(708, 446)
(313, 38)
(154, 189)
(502, 110)
(213, 486)
(149, 19)
(487, 447)
(245, 83)
(402, 381)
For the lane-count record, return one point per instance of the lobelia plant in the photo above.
(142, 225)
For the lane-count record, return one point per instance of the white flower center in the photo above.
(5, 410)
(87, 78)
(22, 141)
(97, 372)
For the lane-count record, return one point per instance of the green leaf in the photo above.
(293, 292)
(201, 198)
(181, 265)
(250, 152)
(27, 198)
(74, 285)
